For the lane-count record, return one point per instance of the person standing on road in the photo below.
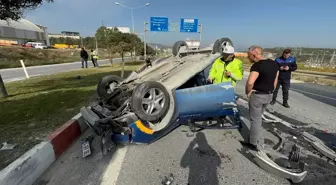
(226, 68)
(259, 87)
(94, 58)
(84, 55)
(287, 64)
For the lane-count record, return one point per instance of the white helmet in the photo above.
(228, 49)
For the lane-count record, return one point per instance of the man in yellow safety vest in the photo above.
(94, 58)
(226, 68)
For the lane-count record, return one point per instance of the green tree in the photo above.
(117, 42)
(140, 49)
(108, 39)
(13, 9)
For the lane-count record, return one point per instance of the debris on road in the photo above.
(168, 180)
(6, 146)
(86, 148)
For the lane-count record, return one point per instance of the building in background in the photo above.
(121, 29)
(20, 32)
(65, 34)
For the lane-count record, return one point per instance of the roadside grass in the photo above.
(37, 106)
(316, 80)
(10, 56)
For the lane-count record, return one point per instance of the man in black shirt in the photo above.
(85, 56)
(260, 85)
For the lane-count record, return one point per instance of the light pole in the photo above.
(200, 32)
(132, 9)
(145, 43)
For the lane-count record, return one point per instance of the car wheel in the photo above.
(217, 47)
(103, 87)
(150, 101)
(177, 46)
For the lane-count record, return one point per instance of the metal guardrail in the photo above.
(311, 73)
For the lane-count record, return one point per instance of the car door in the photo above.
(205, 100)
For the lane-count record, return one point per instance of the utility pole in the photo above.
(132, 9)
(322, 60)
(200, 32)
(145, 45)
(332, 59)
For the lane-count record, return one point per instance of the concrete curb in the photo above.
(31, 165)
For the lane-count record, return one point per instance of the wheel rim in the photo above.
(153, 101)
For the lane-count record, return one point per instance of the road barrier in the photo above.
(310, 73)
(24, 68)
(3, 91)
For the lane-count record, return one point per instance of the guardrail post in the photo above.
(3, 91)
(24, 68)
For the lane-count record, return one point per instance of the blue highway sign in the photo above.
(189, 25)
(159, 24)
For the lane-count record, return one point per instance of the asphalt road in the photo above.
(210, 157)
(15, 74)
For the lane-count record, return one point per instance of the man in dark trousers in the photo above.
(85, 56)
(259, 87)
(287, 64)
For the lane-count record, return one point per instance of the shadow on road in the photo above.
(202, 162)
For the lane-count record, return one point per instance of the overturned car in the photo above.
(165, 94)
(162, 95)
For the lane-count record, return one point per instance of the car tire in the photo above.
(147, 90)
(177, 47)
(217, 47)
(103, 85)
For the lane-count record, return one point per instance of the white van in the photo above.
(37, 45)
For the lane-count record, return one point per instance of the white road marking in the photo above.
(111, 174)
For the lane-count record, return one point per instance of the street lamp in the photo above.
(132, 9)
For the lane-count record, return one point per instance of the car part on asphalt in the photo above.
(267, 120)
(320, 146)
(168, 180)
(326, 151)
(280, 144)
(263, 160)
(86, 146)
(294, 154)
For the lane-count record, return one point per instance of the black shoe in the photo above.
(249, 146)
(272, 102)
(285, 104)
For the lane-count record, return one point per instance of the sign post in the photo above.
(200, 32)
(24, 68)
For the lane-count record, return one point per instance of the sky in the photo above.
(269, 23)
